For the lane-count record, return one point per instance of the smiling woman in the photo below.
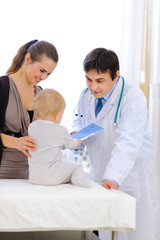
(33, 63)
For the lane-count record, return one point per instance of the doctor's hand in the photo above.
(73, 132)
(109, 185)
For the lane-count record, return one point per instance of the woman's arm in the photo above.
(23, 144)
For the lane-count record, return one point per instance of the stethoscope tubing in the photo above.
(119, 102)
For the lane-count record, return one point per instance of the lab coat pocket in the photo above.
(131, 186)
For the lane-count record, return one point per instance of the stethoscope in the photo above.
(119, 102)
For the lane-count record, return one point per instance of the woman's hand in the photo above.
(109, 185)
(25, 144)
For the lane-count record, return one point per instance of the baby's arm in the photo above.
(79, 142)
(69, 142)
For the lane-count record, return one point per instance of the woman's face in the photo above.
(38, 71)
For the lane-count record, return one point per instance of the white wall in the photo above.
(74, 27)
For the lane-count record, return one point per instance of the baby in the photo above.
(45, 165)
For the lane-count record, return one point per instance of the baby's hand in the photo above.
(79, 142)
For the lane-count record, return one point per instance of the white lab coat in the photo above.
(124, 153)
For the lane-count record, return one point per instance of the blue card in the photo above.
(87, 131)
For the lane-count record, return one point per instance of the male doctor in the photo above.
(121, 155)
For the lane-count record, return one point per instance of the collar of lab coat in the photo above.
(114, 98)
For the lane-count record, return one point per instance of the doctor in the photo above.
(121, 156)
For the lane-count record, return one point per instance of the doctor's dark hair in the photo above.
(102, 60)
(37, 50)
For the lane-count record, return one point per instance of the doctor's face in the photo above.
(100, 83)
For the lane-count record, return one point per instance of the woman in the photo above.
(34, 62)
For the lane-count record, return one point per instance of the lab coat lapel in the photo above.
(114, 98)
(92, 107)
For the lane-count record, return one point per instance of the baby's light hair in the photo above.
(48, 102)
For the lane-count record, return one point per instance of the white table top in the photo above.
(27, 207)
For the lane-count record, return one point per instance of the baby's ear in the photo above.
(58, 115)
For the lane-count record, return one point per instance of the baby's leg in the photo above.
(78, 177)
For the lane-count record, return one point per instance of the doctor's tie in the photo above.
(98, 106)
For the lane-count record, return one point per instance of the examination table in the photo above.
(67, 211)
